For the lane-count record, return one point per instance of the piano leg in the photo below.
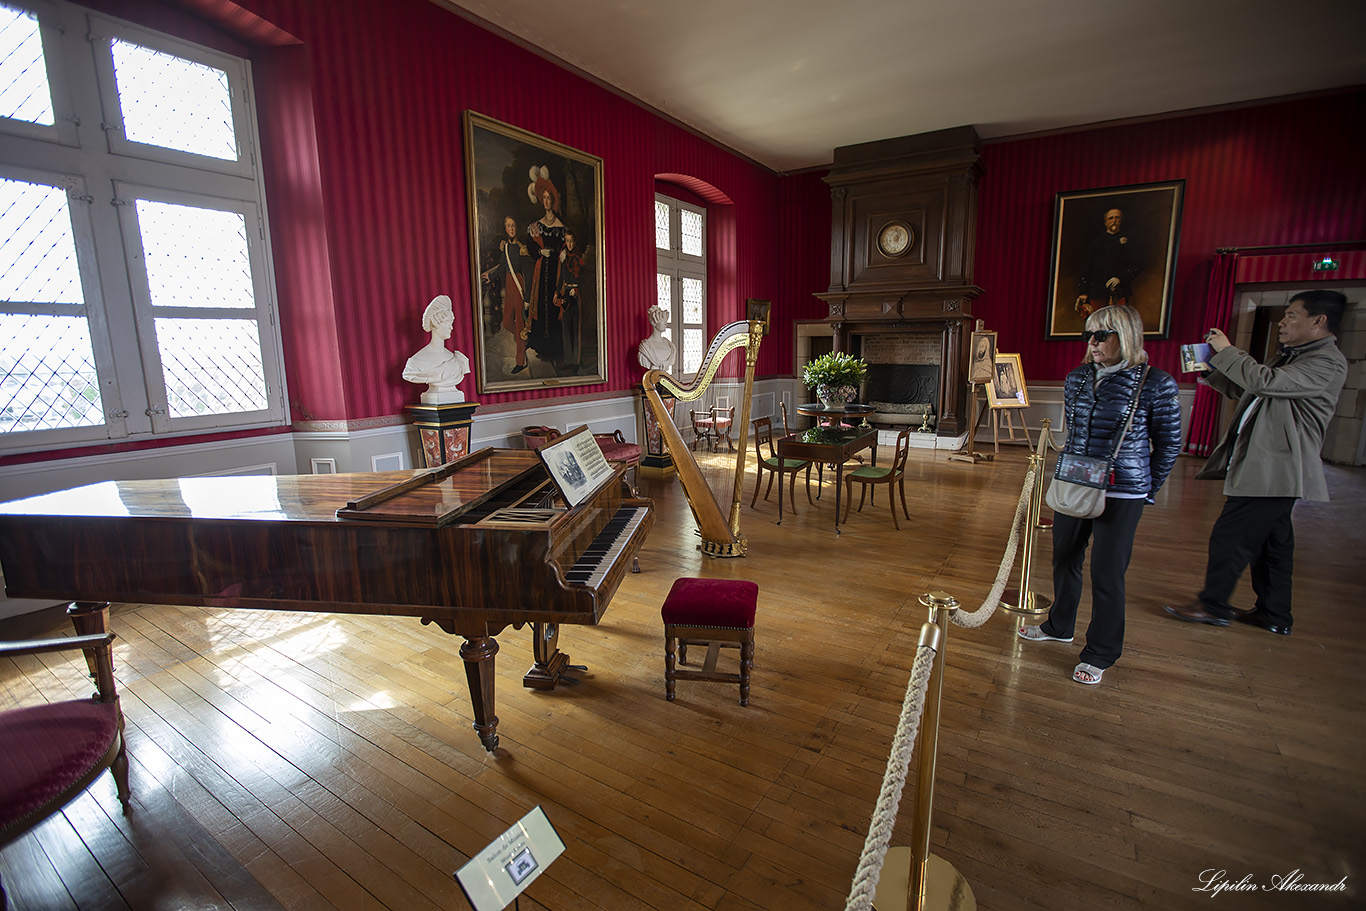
(89, 618)
(551, 663)
(478, 652)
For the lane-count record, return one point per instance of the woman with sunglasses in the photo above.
(1096, 398)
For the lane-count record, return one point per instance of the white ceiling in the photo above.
(785, 82)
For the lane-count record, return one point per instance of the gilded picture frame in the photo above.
(536, 259)
(1007, 388)
(1133, 261)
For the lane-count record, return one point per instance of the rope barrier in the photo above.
(869, 871)
(880, 829)
(983, 613)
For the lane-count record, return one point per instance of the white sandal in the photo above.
(1036, 634)
(1087, 674)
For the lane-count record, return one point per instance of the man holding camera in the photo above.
(1268, 459)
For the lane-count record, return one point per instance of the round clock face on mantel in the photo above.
(895, 238)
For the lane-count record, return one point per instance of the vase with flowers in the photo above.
(835, 378)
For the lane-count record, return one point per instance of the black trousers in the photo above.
(1113, 531)
(1254, 531)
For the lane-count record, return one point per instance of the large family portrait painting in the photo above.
(535, 216)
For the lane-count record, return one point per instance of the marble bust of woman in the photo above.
(434, 364)
(657, 352)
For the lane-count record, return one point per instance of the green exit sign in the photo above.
(1327, 264)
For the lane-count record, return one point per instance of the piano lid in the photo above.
(441, 495)
(289, 498)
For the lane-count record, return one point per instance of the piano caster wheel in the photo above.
(635, 564)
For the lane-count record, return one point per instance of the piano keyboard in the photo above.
(597, 560)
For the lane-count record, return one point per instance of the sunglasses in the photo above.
(1100, 335)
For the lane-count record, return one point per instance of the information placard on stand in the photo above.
(498, 874)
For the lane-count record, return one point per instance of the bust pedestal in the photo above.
(655, 460)
(444, 430)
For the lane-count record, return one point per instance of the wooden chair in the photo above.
(722, 421)
(703, 427)
(55, 750)
(776, 467)
(717, 613)
(870, 475)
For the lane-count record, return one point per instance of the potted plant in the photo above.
(835, 377)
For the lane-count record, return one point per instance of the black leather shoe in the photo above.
(1195, 613)
(1257, 618)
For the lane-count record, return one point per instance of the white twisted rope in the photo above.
(869, 871)
(893, 780)
(983, 613)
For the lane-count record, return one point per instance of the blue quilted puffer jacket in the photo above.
(1095, 415)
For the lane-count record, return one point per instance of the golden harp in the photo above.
(720, 537)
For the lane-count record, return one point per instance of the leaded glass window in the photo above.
(172, 329)
(680, 230)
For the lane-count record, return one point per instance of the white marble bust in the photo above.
(657, 352)
(434, 364)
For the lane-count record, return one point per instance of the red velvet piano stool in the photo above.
(715, 613)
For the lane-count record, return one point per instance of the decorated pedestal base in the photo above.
(655, 460)
(444, 430)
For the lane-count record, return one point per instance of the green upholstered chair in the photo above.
(769, 462)
(891, 475)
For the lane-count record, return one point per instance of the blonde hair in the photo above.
(1128, 325)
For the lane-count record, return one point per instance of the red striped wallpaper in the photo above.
(1284, 173)
(368, 211)
(361, 132)
(1299, 266)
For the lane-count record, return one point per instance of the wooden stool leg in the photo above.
(746, 665)
(669, 679)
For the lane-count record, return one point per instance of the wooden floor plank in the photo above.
(315, 761)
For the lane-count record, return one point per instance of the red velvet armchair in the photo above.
(54, 751)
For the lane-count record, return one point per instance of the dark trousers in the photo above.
(1113, 532)
(1252, 531)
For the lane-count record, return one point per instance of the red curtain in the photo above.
(1204, 425)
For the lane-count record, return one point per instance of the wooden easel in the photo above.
(1005, 418)
(967, 453)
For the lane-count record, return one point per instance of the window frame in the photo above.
(678, 266)
(104, 173)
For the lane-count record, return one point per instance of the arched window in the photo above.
(681, 279)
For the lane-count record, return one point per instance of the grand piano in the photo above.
(473, 547)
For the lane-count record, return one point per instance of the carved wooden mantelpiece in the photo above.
(904, 227)
(948, 315)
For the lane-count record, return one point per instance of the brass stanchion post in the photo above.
(931, 883)
(1022, 600)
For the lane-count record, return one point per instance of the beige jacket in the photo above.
(1278, 452)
